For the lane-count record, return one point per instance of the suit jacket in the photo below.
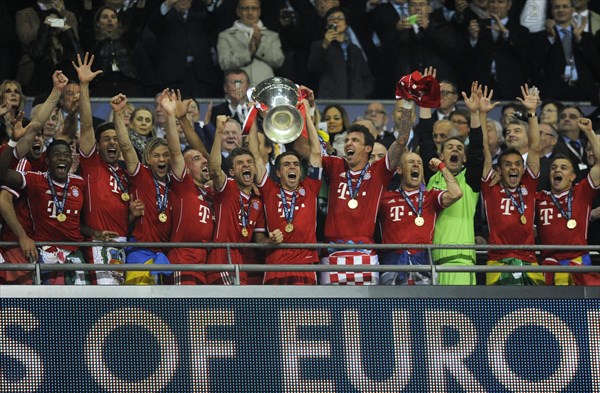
(510, 55)
(594, 21)
(223, 109)
(339, 78)
(232, 48)
(548, 65)
(562, 148)
(177, 39)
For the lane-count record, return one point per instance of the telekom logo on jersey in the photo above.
(506, 206)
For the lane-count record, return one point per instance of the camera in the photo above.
(56, 22)
(332, 26)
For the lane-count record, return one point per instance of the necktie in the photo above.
(576, 147)
(567, 45)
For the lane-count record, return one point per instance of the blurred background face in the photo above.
(549, 114)
(183, 5)
(249, 12)
(339, 20)
(11, 95)
(236, 86)
(322, 6)
(71, 97)
(420, 7)
(589, 154)
(376, 113)
(333, 118)
(499, 8)
(461, 123)
(107, 20)
(449, 96)
(562, 11)
(141, 122)
(193, 112)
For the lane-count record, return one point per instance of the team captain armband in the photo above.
(314, 172)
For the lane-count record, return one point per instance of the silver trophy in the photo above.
(283, 122)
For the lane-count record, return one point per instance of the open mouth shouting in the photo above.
(454, 159)
(62, 170)
(557, 180)
(247, 175)
(349, 153)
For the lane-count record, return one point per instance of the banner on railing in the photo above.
(299, 345)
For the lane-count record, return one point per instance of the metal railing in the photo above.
(236, 269)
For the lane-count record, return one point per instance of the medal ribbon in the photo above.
(288, 213)
(244, 214)
(60, 206)
(410, 204)
(161, 200)
(354, 192)
(567, 215)
(519, 206)
(119, 182)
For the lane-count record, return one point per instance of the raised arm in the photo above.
(315, 159)
(399, 146)
(85, 75)
(254, 147)
(168, 102)
(118, 103)
(7, 210)
(9, 177)
(475, 158)
(214, 165)
(193, 140)
(585, 125)
(486, 105)
(531, 100)
(453, 191)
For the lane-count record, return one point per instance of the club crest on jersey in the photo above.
(524, 190)
(302, 192)
(75, 192)
(367, 176)
(255, 205)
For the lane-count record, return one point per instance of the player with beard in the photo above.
(239, 213)
(107, 200)
(563, 213)
(55, 199)
(150, 186)
(291, 205)
(454, 225)
(510, 205)
(191, 200)
(408, 215)
(355, 189)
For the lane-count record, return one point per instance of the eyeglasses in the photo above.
(374, 112)
(460, 122)
(335, 19)
(249, 9)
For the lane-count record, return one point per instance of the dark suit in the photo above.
(562, 148)
(178, 39)
(510, 56)
(223, 109)
(548, 62)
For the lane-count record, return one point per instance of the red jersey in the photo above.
(193, 219)
(148, 228)
(397, 219)
(304, 221)
(504, 219)
(229, 220)
(342, 222)
(46, 227)
(104, 209)
(552, 225)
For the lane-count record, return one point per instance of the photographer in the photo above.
(338, 63)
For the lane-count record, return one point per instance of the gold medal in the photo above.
(162, 217)
(61, 217)
(352, 204)
(419, 221)
(125, 196)
(571, 224)
(245, 232)
(289, 227)
(523, 219)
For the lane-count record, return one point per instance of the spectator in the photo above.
(448, 97)
(516, 137)
(337, 125)
(404, 116)
(249, 45)
(340, 65)
(460, 120)
(230, 140)
(549, 112)
(442, 131)
(140, 128)
(235, 85)
(378, 153)
(565, 58)
(561, 210)
(510, 111)
(583, 16)
(497, 54)
(112, 52)
(495, 137)
(377, 113)
(12, 100)
(548, 140)
(183, 45)
(571, 142)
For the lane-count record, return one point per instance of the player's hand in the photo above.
(136, 208)
(434, 163)
(104, 236)
(29, 249)
(276, 237)
(118, 102)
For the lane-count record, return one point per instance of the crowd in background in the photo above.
(343, 49)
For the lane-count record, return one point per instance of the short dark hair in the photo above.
(235, 71)
(334, 10)
(561, 156)
(453, 138)
(576, 107)
(55, 143)
(238, 151)
(507, 152)
(369, 139)
(285, 154)
(107, 125)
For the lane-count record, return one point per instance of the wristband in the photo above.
(531, 115)
(12, 143)
(441, 166)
